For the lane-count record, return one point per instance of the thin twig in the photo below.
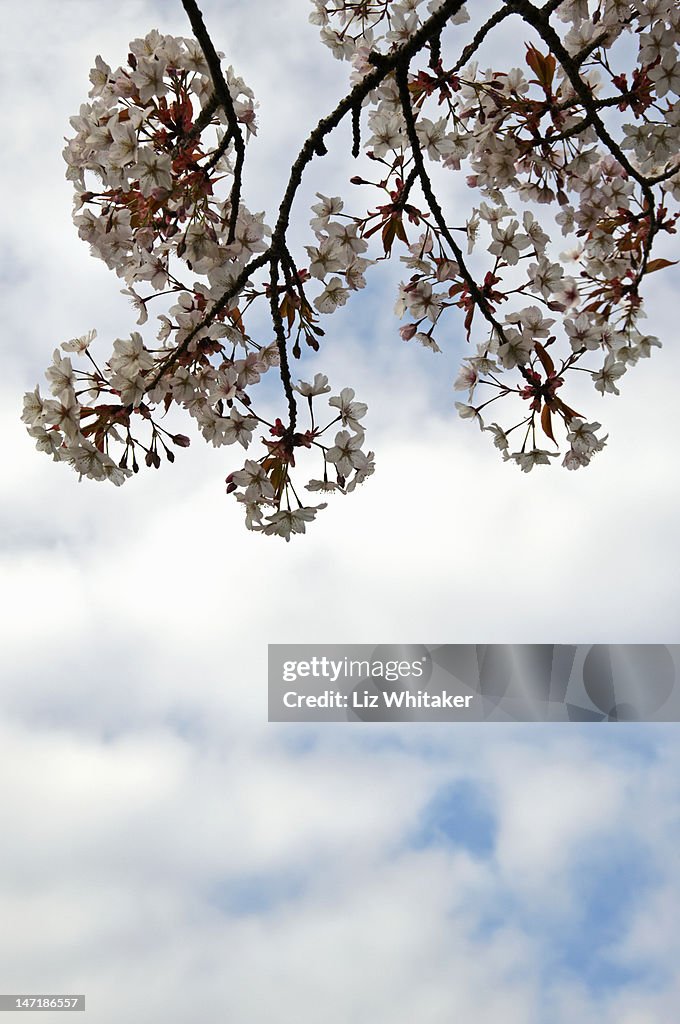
(222, 303)
(205, 117)
(426, 185)
(219, 152)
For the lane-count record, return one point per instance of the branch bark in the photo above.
(224, 97)
(428, 191)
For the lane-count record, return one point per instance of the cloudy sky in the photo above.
(165, 850)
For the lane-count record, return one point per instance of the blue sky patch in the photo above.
(460, 815)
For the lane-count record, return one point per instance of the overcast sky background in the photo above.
(167, 851)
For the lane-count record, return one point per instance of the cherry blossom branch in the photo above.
(535, 17)
(426, 185)
(157, 203)
(205, 116)
(284, 366)
(664, 175)
(580, 126)
(384, 65)
(255, 264)
(313, 146)
(224, 96)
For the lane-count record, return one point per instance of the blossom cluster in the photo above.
(263, 487)
(573, 163)
(147, 200)
(544, 134)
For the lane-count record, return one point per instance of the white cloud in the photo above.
(547, 811)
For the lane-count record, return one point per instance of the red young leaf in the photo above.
(546, 423)
(659, 264)
(547, 362)
(543, 67)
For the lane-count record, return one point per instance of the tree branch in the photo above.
(314, 145)
(214, 159)
(535, 17)
(281, 344)
(222, 303)
(426, 185)
(205, 117)
(398, 60)
(385, 64)
(226, 102)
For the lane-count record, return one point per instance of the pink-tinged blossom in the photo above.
(434, 139)
(582, 436)
(334, 294)
(507, 244)
(330, 206)
(64, 414)
(516, 350)
(88, 461)
(60, 375)
(427, 341)
(536, 457)
(154, 170)
(423, 302)
(253, 475)
(346, 453)
(149, 78)
(351, 412)
(500, 438)
(325, 258)
(468, 412)
(320, 386)
(467, 379)
(239, 428)
(666, 75)
(606, 378)
(285, 522)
